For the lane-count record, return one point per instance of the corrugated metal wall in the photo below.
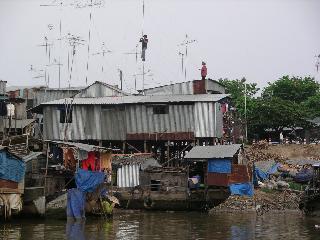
(98, 122)
(208, 120)
(140, 119)
(215, 87)
(42, 96)
(128, 176)
(98, 90)
(113, 123)
(178, 88)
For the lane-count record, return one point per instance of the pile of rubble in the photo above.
(261, 202)
(255, 154)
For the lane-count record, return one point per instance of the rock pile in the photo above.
(261, 202)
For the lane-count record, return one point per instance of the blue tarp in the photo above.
(76, 203)
(304, 176)
(241, 189)
(11, 168)
(87, 181)
(219, 165)
(274, 168)
(259, 175)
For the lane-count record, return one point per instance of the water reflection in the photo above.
(75, 230)
(168, 225)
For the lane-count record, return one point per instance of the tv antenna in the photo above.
(187, 41)
(102, 53)
(148, 73)
(135, 52)
(317, 62)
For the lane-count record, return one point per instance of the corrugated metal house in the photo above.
(42, 95)
(220, 165)
(97, 89)
(161, 117)
(207, 86)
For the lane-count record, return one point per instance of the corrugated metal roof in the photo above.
(217, 151)
(82, 146)
(62, 89)
(171, 84)
(139, 99)
(31, 155)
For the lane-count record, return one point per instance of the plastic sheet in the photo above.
(259, 175)
(76, 203)
(219, 166)
(241, 189)
(88, 181)
(304, 176)
(274, 168)
(11, 168)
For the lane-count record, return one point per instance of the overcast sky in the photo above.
(257, 39)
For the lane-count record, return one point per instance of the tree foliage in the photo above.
(237, 90)
(287, 102)
(295, 89)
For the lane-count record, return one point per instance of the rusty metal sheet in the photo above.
(239, 174)
(161, 136)
(8, 184)
(218, 179)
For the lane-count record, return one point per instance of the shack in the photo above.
(12, 170)
(162, 124)
(129, 168)
(219, 166)
(142, 183)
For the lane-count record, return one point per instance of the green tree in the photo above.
(237, 89)
(295, 89)
(312, 106)
(276, 113)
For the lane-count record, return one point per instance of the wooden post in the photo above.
(168, 151)
(46, 173)
(145, 146)
(124, 147)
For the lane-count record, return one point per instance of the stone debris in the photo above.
(261, 202)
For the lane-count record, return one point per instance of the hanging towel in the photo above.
(106, 161)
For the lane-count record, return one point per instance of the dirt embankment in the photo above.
(264, 152)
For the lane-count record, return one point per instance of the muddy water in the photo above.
(169, 225)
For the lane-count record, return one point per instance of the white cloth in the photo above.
(10, 110)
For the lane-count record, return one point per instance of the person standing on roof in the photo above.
(203, 71)
(144, 41)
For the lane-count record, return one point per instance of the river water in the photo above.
(169, 225)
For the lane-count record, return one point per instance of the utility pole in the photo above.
(245, 110)
(121, 76)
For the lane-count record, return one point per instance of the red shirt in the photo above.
(204, 71)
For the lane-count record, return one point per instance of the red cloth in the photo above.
(90, 162)
(204, 71)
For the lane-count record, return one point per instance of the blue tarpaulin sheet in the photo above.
(87, 181)
(241, 189)
(11, 168)
(76, 203)
(219, 166)
(304, 176)
(274, 168)
(259, 175)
